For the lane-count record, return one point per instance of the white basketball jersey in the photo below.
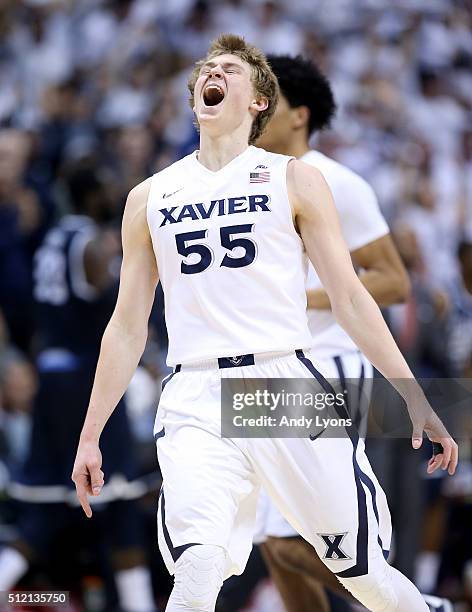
(361, 223)
(232, 266)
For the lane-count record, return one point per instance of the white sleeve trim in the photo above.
(81, 288)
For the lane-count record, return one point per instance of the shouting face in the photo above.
(224, 97)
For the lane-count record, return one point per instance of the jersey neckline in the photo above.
(230, 165)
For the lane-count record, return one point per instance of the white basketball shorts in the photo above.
(324, 488)
(352, 366)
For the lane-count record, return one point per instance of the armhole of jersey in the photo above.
(81, 288)
(287, 197)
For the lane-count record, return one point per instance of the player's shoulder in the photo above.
(138, 197)
(305, 183)
(301, 175)
(134, 225)
(136, 204)
(340, 178)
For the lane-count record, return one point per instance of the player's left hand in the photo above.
(425, 420)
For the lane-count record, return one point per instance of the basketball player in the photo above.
(306, 105)
(225, 230)
(74, 293)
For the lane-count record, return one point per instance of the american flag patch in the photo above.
(259, 177)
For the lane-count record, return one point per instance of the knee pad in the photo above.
(375, 590)
(198, 577)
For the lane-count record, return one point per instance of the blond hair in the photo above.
(263, 79)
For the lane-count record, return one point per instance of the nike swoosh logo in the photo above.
(313, 438)
(167, 195)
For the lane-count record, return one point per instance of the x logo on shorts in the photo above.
(333, 543)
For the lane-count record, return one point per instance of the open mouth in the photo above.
(213, 94)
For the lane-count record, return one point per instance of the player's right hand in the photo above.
(87, 474)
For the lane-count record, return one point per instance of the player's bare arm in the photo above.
(383, 275)
(316, 219)
(122, 344)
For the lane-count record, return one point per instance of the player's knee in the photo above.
(374, 590)
(198, 577)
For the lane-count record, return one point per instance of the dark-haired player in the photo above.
(75, 293)
(306, 106)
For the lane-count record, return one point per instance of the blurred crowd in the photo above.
(99, 87)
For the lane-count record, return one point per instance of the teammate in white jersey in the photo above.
(306, 105)
(227, 230)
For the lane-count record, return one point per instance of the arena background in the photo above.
(99, 88)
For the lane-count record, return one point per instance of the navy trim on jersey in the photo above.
(159, 434)
(177, 551)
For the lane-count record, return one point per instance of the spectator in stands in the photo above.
(74, 292)
(103, 83)
(20, 218)
(459, 347)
